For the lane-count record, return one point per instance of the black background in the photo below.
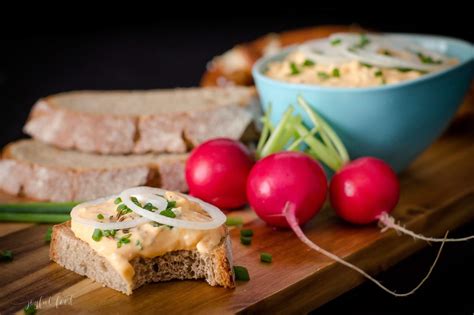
(48, 54)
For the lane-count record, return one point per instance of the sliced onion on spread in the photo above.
(75, 215)
(149, 194)
(349, 48)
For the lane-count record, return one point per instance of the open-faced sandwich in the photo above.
(145, 235)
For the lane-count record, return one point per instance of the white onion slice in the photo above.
(102, 225)
(324, 52)
(149, 194)
(321, 51)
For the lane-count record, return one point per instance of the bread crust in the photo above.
(86, 262)
(56, 183)
(123, 134)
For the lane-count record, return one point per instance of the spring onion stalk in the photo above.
(34, 217)
(322, 133)
(266, 129)
(277, 137)
(326, 130)
(318, 149)
(295, 145)
(38, 207)
(290, 134)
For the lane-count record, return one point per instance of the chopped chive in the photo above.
(149, 206)
(233, 221)
(365, 65)
(404, 69)
(123, 209)
(308, 63)
(100, 216)
(246, 232)
(294, 69)
(123, 240)
(118, 200)
(135, 201)
(139, 244)
(265, 257)
(241, 273)
(428, 59)
(336, 41)
(47, 235)
(30, 309)
(168, 213)
(110, 233)
(378, 73)
(336, 73)
(363, 41)
(171, 204)
(97, 235)
(6, 255)
(246, 240)
(323, 75)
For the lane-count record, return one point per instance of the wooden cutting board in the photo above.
(437, 195)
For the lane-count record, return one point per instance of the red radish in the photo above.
(286, 177)
(364, 189)
(367, 190)
(217, 170)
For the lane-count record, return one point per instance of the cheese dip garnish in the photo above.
(357, 60)
(149, 239)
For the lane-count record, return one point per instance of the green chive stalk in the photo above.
(34, 217)
(38, 207)
(290, 134)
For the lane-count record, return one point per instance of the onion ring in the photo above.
(217, 217)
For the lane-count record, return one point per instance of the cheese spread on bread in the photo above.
(147, 240)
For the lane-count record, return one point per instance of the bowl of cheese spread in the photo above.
(386, 95)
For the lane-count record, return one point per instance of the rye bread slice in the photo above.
(39, 171)
(74, 254)
(122, 122)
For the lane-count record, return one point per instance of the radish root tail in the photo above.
(388, 222)
(289, 212)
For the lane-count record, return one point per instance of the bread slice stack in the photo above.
(88, 144)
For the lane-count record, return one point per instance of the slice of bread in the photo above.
(39, 171)
(215, 267)
(234, 67)
(115, 122)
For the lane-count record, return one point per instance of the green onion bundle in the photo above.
(291, 134)
(37, 212)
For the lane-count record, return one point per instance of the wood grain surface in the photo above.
(437, 195)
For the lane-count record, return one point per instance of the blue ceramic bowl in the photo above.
(394, 122)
